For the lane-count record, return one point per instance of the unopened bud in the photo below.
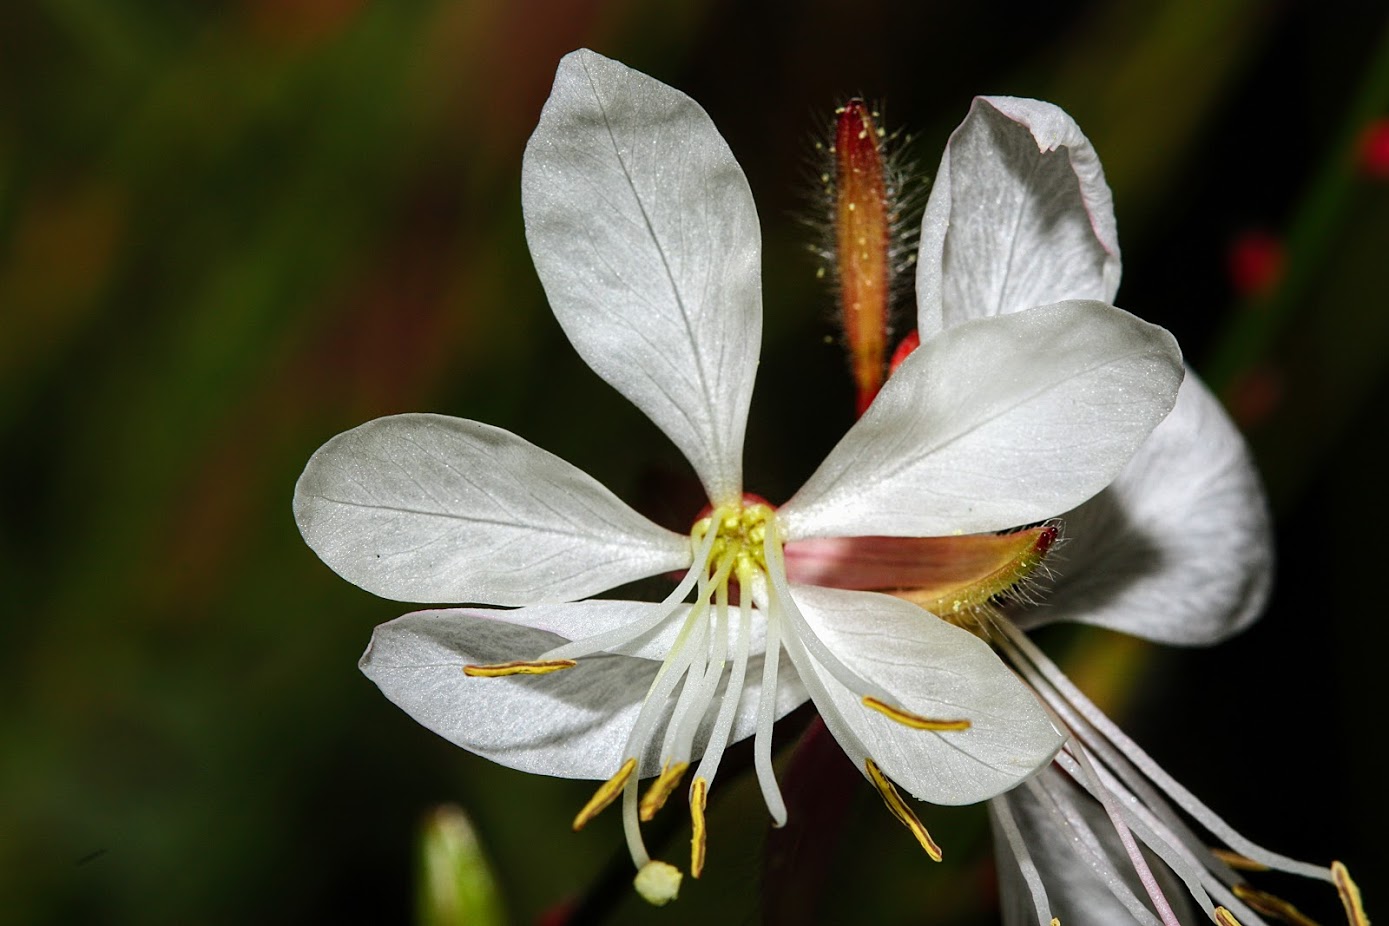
(863, 239)
(455, 884)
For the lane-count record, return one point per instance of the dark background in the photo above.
(230, 230)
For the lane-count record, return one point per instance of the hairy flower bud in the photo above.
(868, 240)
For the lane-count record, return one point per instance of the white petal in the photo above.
(432, 508)
(936, 670)
(577, 620)
(1078, 896)
(570, 724)
(645, 236)
(1180, 548)
(1019, 216)
(994, 423)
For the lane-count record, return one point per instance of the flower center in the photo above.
(696, 696)
(718, 644)
(739, 539)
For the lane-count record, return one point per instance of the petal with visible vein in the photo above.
(1019, 216)
(995, 423)
(934, 669)
(1179, 549)
(437, 509)
(570, 724)
(645, 236)
(1078, 894)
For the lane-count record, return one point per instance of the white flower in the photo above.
(644, 233)
(1178, 549)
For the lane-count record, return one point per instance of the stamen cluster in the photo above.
(741, 533)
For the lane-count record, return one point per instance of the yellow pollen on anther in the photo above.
(502, 669)
(1350, 895)
(1237, 861)
(915, 721)
(738, 546)
(699, 795)
(605, 794)
(1225, 917)
(1272, 905)
(661, 788)
(900, 810)
(1055, 921)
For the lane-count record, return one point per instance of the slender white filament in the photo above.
(766, 717)
(1197, 872)
(631, 824)
(618, 637)
(1088, 846)
(692, 702)
(1030, 875)
(1162, 842)
(1075, 699)
(776, 572)
(1121, 828)
(728, 710)
(652, 709)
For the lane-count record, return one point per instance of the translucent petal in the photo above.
(1179, 549)
(431, 508)
(570, 724)
(645, 236)
(579, 619)
(942, 574)
(936, 670)
(995, 423)
(1019, 216)
(1078, 895)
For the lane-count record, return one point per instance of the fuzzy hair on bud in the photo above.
(866, 228)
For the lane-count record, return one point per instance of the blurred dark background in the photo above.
(229, 230)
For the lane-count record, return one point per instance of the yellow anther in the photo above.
(658, 883)
(605, 794)
(502, 669)
(1271, 905)
(1237, 861)
(900, 810)
(665, 783)
(699, 796)
(915, 721)
(1350, 895)
(737, 548)
(1225, 917)
(1055, 921)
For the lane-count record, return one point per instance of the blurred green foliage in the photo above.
(454, 885)
(229, 230)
